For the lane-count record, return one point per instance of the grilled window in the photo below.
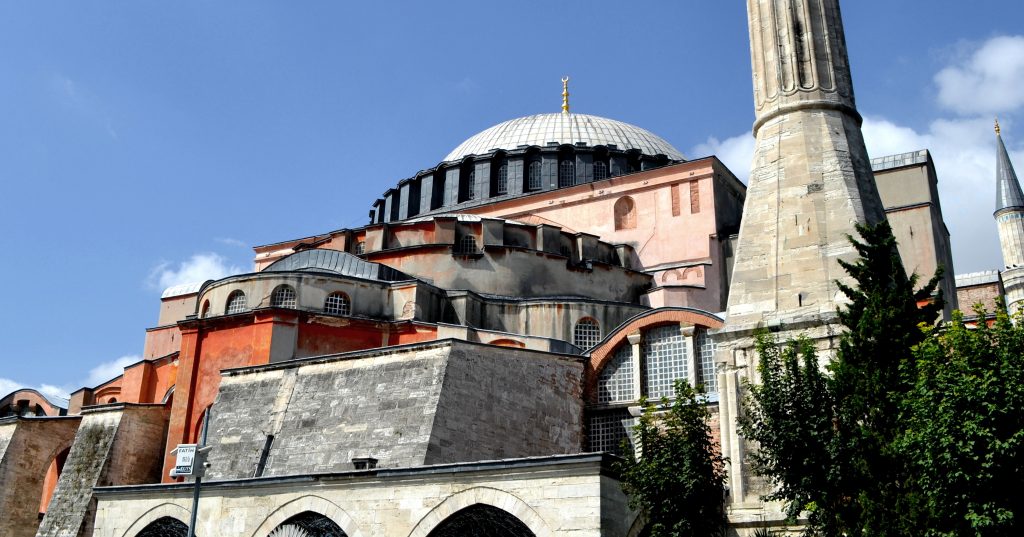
(338, 304)
(283, 297)
(236, 303)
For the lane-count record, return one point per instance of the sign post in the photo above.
(190, 460)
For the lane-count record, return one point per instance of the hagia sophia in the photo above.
(471, 361)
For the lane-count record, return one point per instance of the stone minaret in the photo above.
(1009, 217)
(811, 182)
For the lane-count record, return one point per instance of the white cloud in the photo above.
(54, 392)
(198, 268)
(987, 81)
(736, 153)
(231, 242)
(108, 370)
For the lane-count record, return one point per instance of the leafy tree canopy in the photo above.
(677, 480)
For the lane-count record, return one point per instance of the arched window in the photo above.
(533, 176)
(283, 297)
(587, 333)
(164, 527)
(360, 247)
(600, 171)
(308, 524)
(338, 304)
(566, 173)
(207, 311)
(625, 213)
(467, 245)
(236, 303)
(481, 519)
(501, 186)
(471, 185)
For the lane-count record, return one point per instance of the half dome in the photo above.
(564, 128)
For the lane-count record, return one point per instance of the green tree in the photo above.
(789, 414)
(829, 443)
(873, 371)
(678, 479)
(965, 429)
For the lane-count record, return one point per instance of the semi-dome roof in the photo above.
(564, 128)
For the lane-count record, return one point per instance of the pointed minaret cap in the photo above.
(1008, 193)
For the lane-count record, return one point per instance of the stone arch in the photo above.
(492, 497)
(164, 510)
(309, 503)
(638, 526)
(625, 213)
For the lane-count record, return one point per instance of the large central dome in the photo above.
(564, 128)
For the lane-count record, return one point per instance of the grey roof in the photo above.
(345, 264)
(1008, 193)
(564, 128)
(977, 278)
(183, 289)
(889, 162)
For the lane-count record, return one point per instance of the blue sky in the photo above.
(147, 143)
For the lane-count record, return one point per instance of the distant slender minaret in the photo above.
(1009, 217)
(810, 184)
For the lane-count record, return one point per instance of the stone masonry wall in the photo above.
(500, 403)
(27, 447)
(322, 414)
(115, 445)
(447, 401)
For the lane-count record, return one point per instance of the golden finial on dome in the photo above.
(565, 95)
(998, 130)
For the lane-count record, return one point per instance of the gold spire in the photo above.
(565, 95)
(998, 130)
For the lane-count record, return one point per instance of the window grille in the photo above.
(502, 186)
(608, 429)
(360, 247)
(566, 173)
(467, 245)
(615, 383)
(236, 303)
(664, 360)
(283, 297)
(338, 304)
(586, 334)
(600, 171)
(534, 181)
(707, 374)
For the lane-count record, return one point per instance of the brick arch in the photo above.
(605, 351)
(315, 504)
(493, 497)
(170, 510)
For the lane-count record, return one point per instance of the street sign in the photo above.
(185, 459)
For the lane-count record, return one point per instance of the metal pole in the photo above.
(199, 478)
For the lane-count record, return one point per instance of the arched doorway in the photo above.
(482, 520)
(308, 524)
(164, 527)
